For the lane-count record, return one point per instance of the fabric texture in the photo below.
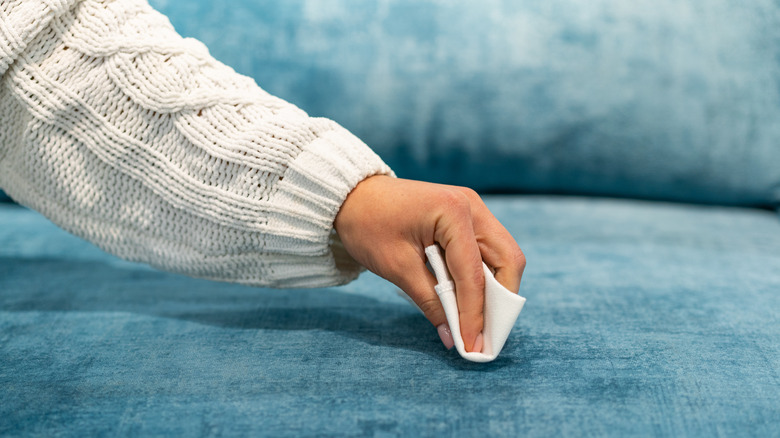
(126, 134)
(501, 309)
(669, 99)
(643, 319)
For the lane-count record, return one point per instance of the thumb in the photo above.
(418, 283)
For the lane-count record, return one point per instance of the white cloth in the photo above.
(501, 309)
(126, 134)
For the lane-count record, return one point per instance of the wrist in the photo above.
(359, 199)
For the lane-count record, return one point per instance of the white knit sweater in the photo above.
(134, 138)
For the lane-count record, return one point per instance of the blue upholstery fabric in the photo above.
(642, 319)
(672, 99)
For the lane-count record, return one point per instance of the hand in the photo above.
(385, 224)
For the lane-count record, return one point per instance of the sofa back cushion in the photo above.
(670, 99)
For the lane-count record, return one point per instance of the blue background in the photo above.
(672, 100)
(666, 99)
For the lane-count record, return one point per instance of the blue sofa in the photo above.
(631, 148)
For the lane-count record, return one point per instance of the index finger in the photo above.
(496, 245)
(465, 265)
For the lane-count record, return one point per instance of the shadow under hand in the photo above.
(56, 285)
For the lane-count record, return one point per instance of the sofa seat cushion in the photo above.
(642, 319)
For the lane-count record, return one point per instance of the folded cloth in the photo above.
(501, 308)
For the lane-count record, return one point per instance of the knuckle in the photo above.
(477, 275)
(469, 267)
(475, 278)
(479, 281)
(455, 201)
(470, 193)
(518, 259)
(429, 306)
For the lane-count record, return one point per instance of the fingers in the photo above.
(385, 224)
(509, 269)
(469, 234)
(500, 252)
(418, 283)
(498, 248)
(455, 233)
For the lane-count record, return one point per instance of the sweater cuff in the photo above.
(313, 188)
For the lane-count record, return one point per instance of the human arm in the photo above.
(126, 134)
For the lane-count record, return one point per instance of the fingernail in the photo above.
(478, 343)
(446, 335)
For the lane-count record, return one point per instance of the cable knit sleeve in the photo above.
(134, 138)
